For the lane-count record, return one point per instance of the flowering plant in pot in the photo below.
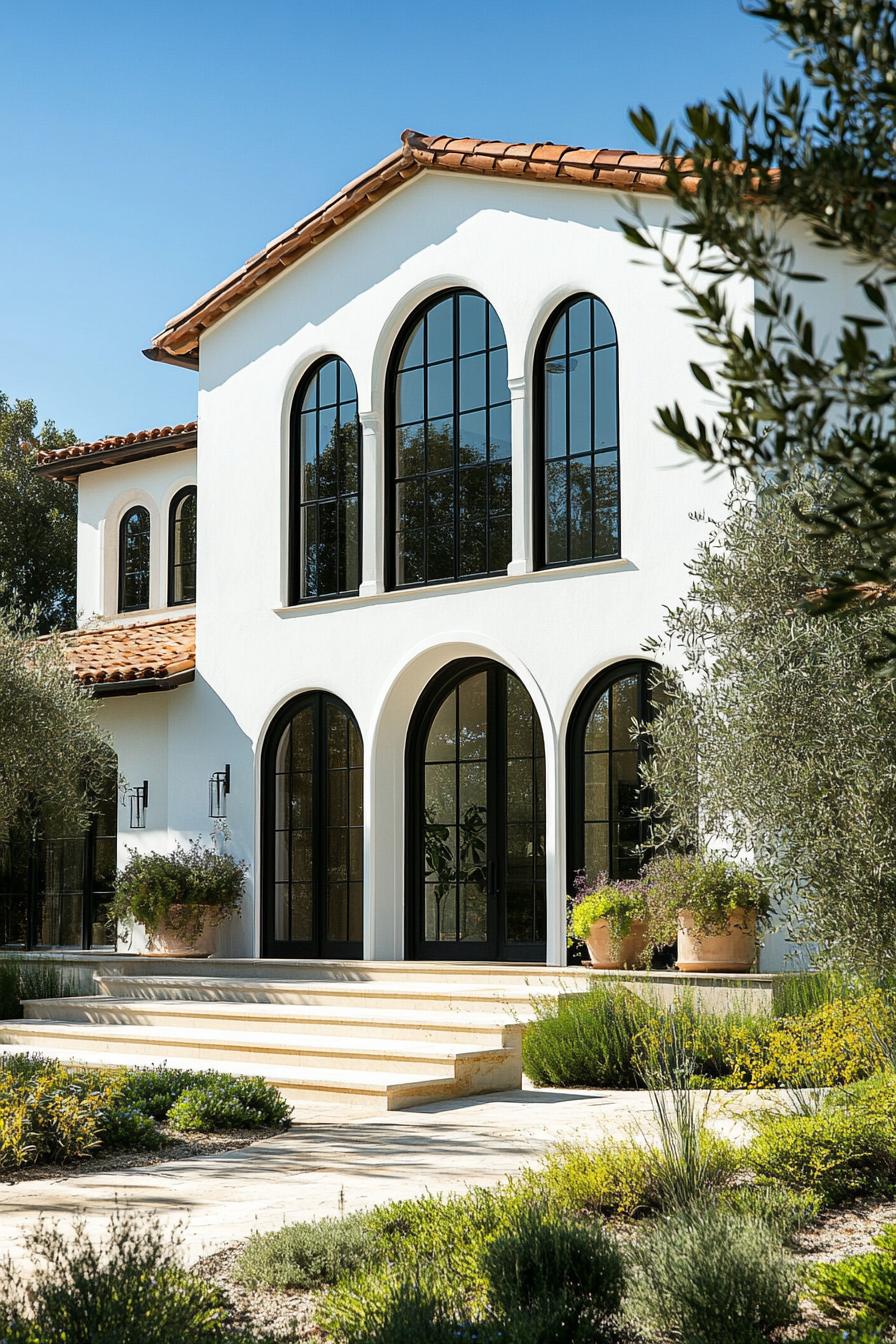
(179, 897)
(711, 905)
(611, 919)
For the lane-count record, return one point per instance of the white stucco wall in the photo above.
(104, 497)
(526, 247)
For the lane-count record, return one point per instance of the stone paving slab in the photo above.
(338, 1158)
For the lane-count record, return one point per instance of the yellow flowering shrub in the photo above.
(838, 1043)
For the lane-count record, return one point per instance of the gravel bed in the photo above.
(282, 1314)
(175, 1148)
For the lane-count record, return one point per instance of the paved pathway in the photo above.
(332, 1158)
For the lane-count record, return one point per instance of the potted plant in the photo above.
(611, 919)
(179, 897)
(713, 907)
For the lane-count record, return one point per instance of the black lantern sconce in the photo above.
(138, 798)
(218, 789)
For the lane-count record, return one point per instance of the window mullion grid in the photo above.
(488, 442)
(568, 458)
(426, 481)
(457, 860)
(337, 478)
(592, 442)
(455, 391)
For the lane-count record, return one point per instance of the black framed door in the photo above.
(313, 831)
(475, 862)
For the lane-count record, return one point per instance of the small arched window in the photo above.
(450, 488)
(133, 560)
(577, 433)
(605, 795)
(325, 534)
(182, 547)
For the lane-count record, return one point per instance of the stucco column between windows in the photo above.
(373, 508)
(522, 548)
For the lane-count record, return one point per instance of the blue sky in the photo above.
(147, 150)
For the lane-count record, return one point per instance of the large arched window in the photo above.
(133, 560)
(476, 827)
(325, 450)
(313, 830)
(577, 436)
(604, 792)
(450, 486)
(182, 547)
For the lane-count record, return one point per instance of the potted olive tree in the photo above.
(712, 906)
(610, 918)
(179, 897)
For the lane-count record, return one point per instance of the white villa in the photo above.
(384, 604)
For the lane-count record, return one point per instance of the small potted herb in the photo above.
(179, 897)
(711, 905)
(611, 919)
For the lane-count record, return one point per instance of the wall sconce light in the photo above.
(218, 789)
(138, 798)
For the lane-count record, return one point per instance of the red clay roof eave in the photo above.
(565, 165)
(69, 463)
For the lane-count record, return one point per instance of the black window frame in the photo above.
(646, 671)
(173, 566)
(123, 524)
(299, 505)
(496, 947)
(318, 946)
(539, 440)
(392, 478)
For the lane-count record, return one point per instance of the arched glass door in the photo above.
(476, 819)
(313, 826)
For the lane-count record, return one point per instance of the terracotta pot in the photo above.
(609, 956)
(731, 950)
(172, 942)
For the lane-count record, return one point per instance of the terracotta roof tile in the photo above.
(78, 457)
(109, 656)
(616, 169)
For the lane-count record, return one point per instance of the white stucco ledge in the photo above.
(616, 566)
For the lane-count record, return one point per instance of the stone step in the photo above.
(387, 1091)
(220, 1048)
(500, 1027)
(453, 995)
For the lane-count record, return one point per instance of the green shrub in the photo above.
(799, 992)
(131, 1287)
(154, 1090)
(835, 1044)
(222, 1101)
(586, 1040)
(860, 1285)
(861, 1333)
(388, 1306)
(704, 1275)
(307, 1255)
(786, 1211)
(615, 1177)
(52, 1114)
(836, 1154)
(564, 1278)
(26, 977)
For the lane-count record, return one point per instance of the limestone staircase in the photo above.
(388, 1035)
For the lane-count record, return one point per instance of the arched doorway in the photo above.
(475, 867)
(313, 831)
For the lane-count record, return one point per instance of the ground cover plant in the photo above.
(50, 1112)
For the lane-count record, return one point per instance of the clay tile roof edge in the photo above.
(77, 457)
(541, 160)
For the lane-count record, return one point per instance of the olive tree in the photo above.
(54, 759)
(811, 158)
(778, 738)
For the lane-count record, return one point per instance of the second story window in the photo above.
(133, 560)
(450, 486)
(577, 436)
(325, 450)
(182, 548)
